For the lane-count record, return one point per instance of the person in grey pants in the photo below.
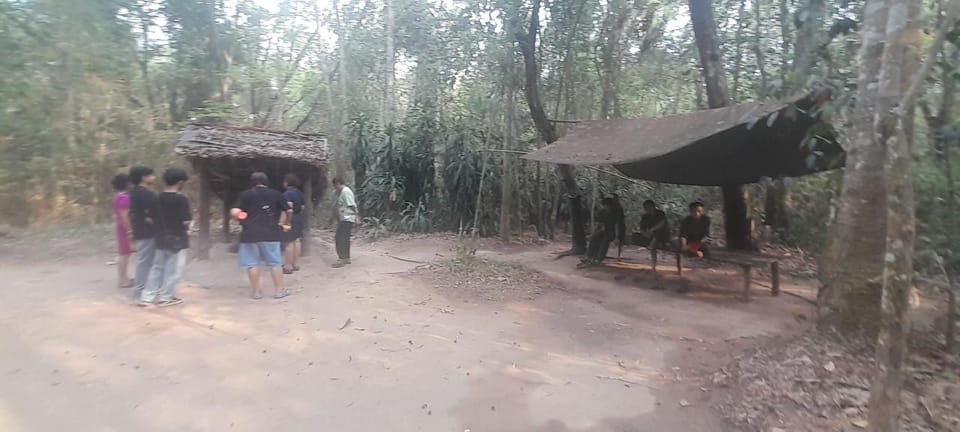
(172, 220)
(143, 208)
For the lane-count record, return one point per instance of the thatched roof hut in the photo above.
(225, 156)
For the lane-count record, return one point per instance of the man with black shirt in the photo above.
(604, 233)
(143, 203)
(654, 231)
(172, 219)
(261, 211)
(695, 231)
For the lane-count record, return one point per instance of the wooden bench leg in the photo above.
(679, 266)
(775, 278)
(746, 283)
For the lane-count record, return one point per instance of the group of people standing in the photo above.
(654, 233)
(154, 229)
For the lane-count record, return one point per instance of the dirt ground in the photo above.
(563, 350)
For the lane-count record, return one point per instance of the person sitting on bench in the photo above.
(654, 231)
(604, 233)
(695, 231)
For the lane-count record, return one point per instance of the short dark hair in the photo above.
(696, 204)
(138, 172)
(120, 182)
(259, 178)
(292, 180)
(173, 176)
(338, 181)
(649, 203)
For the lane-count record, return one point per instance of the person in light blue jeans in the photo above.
(143, 207)
(172, 219)
(262, 212)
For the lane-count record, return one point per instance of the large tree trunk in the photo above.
(851, 268)
(705, 31)
(528, 44)
(900, 231)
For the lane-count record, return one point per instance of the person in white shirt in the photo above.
(347, 208)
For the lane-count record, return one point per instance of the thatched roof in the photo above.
(212, 142)
(733, 145)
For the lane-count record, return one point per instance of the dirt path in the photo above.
(594, 355)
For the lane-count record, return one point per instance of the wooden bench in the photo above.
(747, 260)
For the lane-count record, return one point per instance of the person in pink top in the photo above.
(121, 214)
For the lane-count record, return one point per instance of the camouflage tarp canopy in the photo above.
(734, 145)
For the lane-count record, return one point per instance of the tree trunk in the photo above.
(738, 52)
(618, 15)
(506, 181)
(898, 258)
(389, 103)
(705, 31)
(851, 267)
(758, 47)
(809, 26)
(528, 43)
(784, 39)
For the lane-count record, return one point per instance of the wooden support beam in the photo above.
(203, 249)
(307, 209)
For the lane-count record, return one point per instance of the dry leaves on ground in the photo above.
(817, 383)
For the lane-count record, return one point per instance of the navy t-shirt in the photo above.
(263, 207)
(294, 197)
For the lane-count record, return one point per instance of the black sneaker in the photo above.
(172, 302)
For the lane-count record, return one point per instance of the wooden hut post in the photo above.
(307, 209)
(203, 251)
(227, 203)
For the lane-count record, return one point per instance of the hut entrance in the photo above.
(225, 156)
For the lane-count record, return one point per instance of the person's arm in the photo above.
(237, 208)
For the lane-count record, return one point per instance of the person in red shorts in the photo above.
(695, 231)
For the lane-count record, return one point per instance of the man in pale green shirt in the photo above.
(347, 209)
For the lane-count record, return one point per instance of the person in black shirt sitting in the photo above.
(695, 231)
(604, 233)
(654, 230)
(171, 221)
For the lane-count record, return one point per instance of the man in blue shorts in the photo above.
(261, 211)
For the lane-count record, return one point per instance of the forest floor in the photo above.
(415, 335)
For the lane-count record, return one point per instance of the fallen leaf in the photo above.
(830, 367)
(345, 324)
(684, 403)
(860, 423)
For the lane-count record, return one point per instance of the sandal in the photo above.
(287, 271)
(256, 296)
(296, 268)
(283, 293)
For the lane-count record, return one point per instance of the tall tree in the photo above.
(705, 33)
(528, 44)
(851, 268)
